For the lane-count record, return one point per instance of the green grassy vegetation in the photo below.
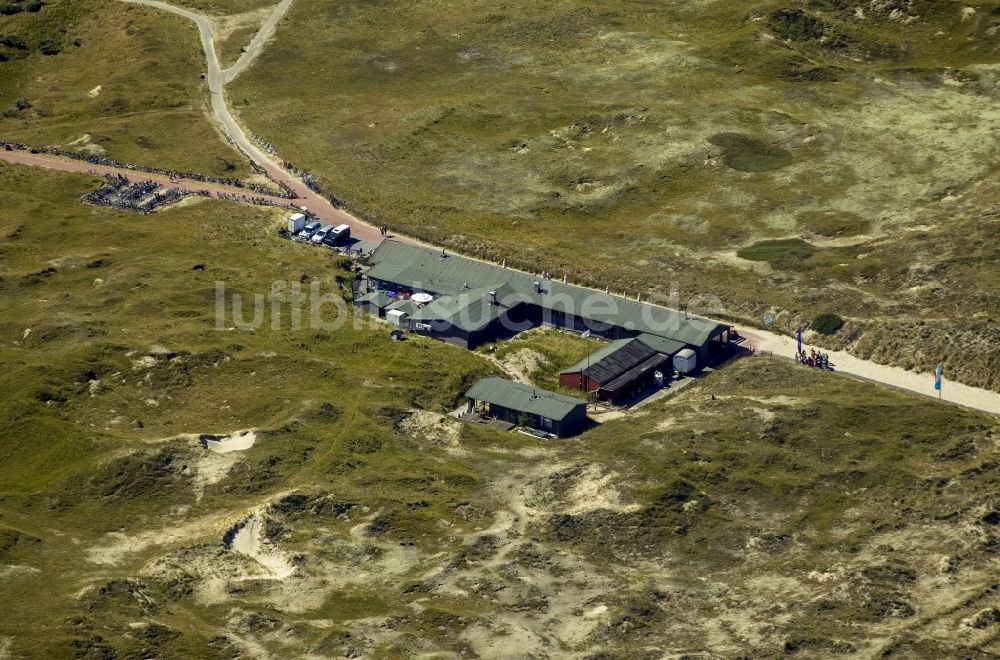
(829, 513)
(794, 254)
(110, 345)
(111, 79)
(748, 154)
(580, 139)
(230, 48)
(542, 354)
(225, 7)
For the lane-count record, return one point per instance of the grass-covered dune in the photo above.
(110, 79)
(645, 145)
(767, 510)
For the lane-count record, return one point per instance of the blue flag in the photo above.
(798, 336)
(937, 376)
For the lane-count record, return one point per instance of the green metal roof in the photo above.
(463, 311)
(524, 398)
(469, 310)
(377, 298)
(662, 344)
(405, 306)
(444, 273)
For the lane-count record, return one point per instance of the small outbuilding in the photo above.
(528, 406)
(686, 361)
(374, 303)
(622, 368)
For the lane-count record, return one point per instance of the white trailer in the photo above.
(296, 222)
(397, 319)
(685, 361)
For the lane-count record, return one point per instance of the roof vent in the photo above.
(493, 297)
(538, 286)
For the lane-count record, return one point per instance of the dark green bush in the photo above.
(827, 323)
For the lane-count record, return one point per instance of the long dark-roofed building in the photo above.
(477, 302)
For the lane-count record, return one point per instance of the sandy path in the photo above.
(324, 211)
(71, 165)
(217, 80)
(253, 49)
(919, 383)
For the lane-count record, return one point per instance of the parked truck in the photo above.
(296, 222)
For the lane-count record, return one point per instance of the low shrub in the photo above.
(827, 323)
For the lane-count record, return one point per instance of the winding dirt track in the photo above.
(963, 395)
(217, 80)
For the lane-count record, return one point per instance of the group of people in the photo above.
(383, 229)
(813, 358)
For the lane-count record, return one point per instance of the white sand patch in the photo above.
(115, 547)
(223, 444)
(221, 455)
(595, 612)
(13, 570)
(435, 429)
(249, 541)
(85, 145)
(94, 92)
(145, 362)
(5, 644)
(522, 363)
(594, 489)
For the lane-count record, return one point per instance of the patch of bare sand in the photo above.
(224, 444)
(83, 144)
(591, 488)
(13, 570)
(524, 361)
(115, 547)
(248, 539)
(434, 429)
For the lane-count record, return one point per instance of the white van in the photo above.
(339, 235)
